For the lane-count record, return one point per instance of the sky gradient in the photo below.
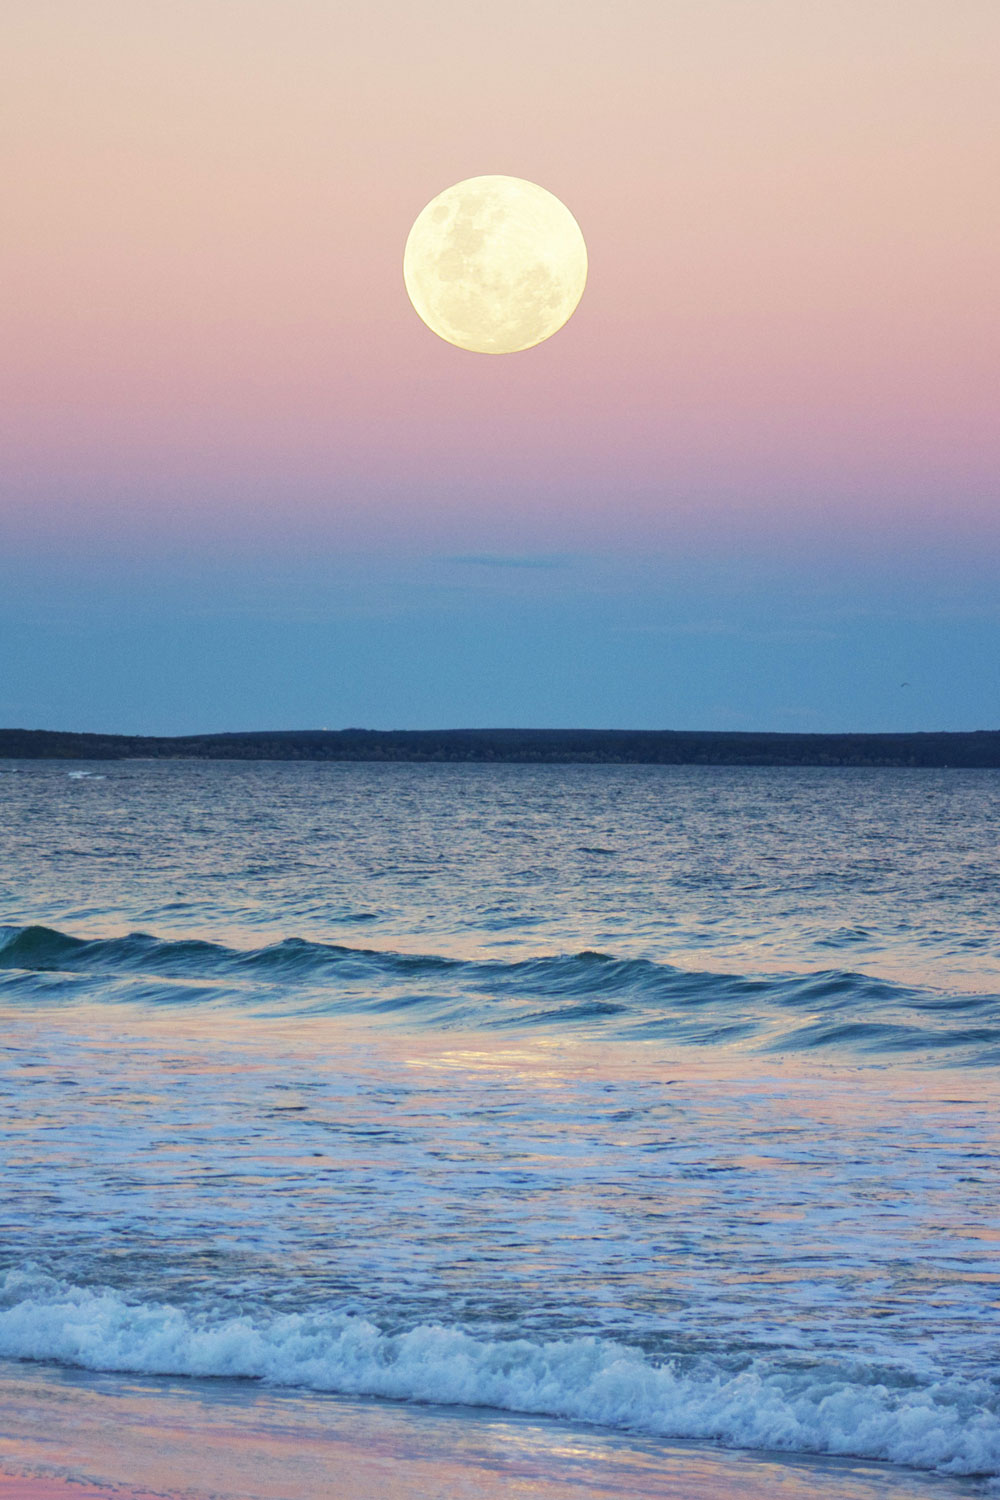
(753, 482)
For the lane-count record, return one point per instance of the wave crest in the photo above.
(834, 1010)
(944, 1425)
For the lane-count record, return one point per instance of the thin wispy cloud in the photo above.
(512, 560)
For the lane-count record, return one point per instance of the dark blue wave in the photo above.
(830, 1011)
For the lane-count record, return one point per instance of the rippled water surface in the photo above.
(891, 872)
(659, 1098)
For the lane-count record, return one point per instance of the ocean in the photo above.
(653, 1103)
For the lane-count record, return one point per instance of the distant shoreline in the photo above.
(979, 749)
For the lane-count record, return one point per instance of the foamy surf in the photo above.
(942, 1425)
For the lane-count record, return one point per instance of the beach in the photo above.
(80, 1438)
(419, 1131)
(500, 751)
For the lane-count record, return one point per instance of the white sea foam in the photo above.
(949, 1426)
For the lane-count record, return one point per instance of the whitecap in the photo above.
(946, 1425)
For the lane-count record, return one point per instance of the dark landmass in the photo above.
(669, 747)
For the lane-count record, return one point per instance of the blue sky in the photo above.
(490, 638)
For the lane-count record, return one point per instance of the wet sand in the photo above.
(65, 1435)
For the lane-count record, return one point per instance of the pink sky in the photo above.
(793, 220)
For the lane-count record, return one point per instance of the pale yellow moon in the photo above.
(495, 264)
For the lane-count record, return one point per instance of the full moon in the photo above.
(495, 264)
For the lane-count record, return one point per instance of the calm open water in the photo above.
(656, 1098)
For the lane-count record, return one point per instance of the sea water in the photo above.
(661, 1099)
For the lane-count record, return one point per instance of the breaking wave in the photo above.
(850, 1410)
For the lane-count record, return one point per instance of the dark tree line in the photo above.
(524, 746)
